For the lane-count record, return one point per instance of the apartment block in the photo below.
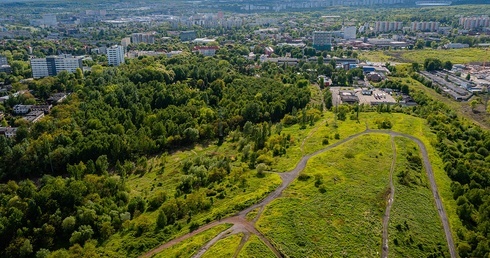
(52, 65)
(115, 55)
(387, 26)
(425, 26)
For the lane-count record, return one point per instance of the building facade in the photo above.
(350, 32)
(148, 38)
(322, 40)
(425, 26)
(3, 60)
(52, 65)
(115, 55)
(471, 23)
(387, 26)
(125, 42)
(187, 35)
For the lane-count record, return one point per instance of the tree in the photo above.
(468, 76)
(83, 234)
(419, 44)
(102, 164)
(68, 224)
(416, 67)
(26, 248)
(473, 104)
(261, 169)
(448, 65)
(161, 219)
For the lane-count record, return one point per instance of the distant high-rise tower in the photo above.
(322, 40)
(115, 55)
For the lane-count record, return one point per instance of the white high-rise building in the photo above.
(115, 55)
(39, 67)
(52, 65)
(350, 32)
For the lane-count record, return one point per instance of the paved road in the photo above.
(242, 225)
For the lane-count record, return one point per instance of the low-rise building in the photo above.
(57, 98)
(206, 50)
(9, 132)
(187, 35)
(21, 109)
(348, 97)
(456, 46)
(34, 116)
(374, 77)
(44, 108)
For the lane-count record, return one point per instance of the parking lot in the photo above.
(377, 97)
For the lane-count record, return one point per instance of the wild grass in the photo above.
(224, 248)
(337, 212)
(456, 56)
(255, 248)
(188, 247)
(415, 229)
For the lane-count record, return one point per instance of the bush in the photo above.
(261, 168)
(193, 226)
(349, 155)
(304, 177)
(325, 141)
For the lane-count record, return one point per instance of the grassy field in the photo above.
(189, 247)
(456, 56)
(415, 229)
(255, 248)
(225, 247)
(338, 210)
(401, 123)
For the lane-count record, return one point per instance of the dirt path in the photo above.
(391, 198)
(433, 185)
(240, 224)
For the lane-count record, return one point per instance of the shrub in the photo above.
(303, 177)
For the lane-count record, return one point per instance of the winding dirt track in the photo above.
(241, 225)
(391, 198)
